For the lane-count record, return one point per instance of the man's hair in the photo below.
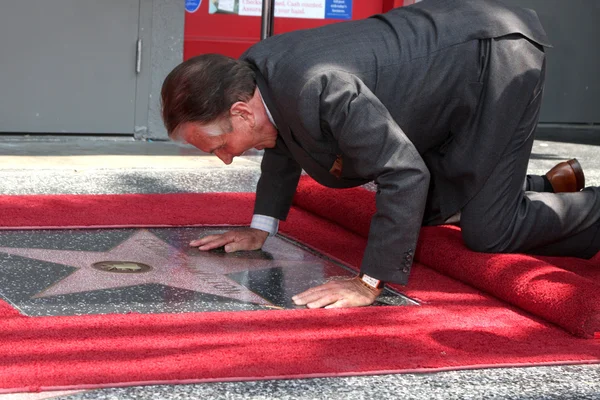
(203, 89)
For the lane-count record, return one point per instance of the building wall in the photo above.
(167, 51)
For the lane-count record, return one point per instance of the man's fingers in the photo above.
(336, 294)
(324, 300)
(221, 241)
(341, 303)
(204, 240)
(311, 294)
(249, 239)
(236, 246)
(316, 295)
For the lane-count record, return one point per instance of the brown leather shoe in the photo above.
(566, 176)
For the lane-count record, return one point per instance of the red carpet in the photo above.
(562, 290)
(456, 327)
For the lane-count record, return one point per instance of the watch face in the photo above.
(370, 281)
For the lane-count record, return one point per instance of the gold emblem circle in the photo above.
(122, 267)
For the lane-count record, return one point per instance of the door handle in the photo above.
(138, 56)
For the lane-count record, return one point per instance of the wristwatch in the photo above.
(370, 282)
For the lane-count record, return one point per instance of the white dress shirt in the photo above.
(264, 222)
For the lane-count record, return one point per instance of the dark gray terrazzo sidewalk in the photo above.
(560, 383)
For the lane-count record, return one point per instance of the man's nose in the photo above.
(224, 156)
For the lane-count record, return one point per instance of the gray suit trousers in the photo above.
(503, 217)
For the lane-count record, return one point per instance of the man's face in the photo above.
(243, 136)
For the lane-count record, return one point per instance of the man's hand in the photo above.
(337, 294)
(241, 239)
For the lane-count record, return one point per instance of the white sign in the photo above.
(311, 9)
(307, 9)
(226, 5)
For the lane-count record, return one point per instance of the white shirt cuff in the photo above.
(265, 223)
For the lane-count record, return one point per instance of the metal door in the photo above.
(572, 93)
(68, 66)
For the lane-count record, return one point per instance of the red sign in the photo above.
(230, 34)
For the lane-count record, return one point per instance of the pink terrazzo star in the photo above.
(205, 272)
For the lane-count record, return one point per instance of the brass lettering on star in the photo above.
(216, 281)
(158, 247)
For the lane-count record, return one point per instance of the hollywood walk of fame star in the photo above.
(169, 266)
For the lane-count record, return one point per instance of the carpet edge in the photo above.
(40, 389)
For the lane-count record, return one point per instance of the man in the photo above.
(436, 103)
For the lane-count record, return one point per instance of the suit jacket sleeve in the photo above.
(372, 141)
(278, 181)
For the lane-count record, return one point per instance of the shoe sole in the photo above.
(579, 177)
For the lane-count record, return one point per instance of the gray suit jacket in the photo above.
(376, 94)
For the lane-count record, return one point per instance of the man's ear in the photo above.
(242, 110)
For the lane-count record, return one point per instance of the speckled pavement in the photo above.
(48, 165)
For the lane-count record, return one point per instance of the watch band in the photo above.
(371, 282)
